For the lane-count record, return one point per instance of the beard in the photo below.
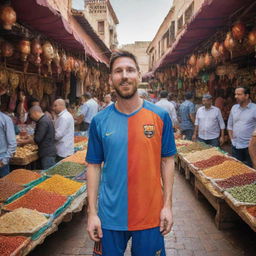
(124, 95)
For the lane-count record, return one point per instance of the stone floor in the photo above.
(194, 232)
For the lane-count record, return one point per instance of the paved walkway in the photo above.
(194, 232)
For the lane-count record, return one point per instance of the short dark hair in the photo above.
(119, 54)
(188, 95)
(87, 96)
(163, 94)
(246, 90)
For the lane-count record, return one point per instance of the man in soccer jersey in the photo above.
(134, 140)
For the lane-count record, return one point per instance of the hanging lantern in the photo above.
(229, 43)
(192, 60)
(207, 59)
(252, 37)
(48, 53)
(7, 17)
(200, 62)
(25, 49)
(238, 31)
(215, 51)
(6, 49)
(56, 61)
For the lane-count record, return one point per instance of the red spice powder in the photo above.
(212, 161)
(40, 200)
(252, 210)
(8, 244)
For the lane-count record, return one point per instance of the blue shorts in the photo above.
(148, 242)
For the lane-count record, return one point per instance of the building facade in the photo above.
(139, 49)
(103, 19)
(174, 23)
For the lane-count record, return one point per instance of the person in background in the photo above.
(143, 94)
(241, 124)
(252, 149)
(187, 116)
(44, 137)
(7, 143)
(22, 108)
(171, 98)
(64, 130)
(209, 124)
(128, 206)
(88, 110)
(107, 100)
(34, 102)
(168, 106)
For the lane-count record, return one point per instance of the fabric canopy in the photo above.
(213, 15)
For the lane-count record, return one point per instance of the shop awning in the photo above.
(40, 16)
(147, 75)
(213, 15)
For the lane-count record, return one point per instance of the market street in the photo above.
(194, 232)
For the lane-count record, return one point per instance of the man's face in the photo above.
(33, 115)
(56, 108)
(124, 77)
(107, 99)
(207, 102)
(240, 96)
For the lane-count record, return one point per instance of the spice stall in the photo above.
(224, 181)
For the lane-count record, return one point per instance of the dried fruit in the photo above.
(60, 185)
(21, 220)
(22, 176)
(68, 169)
(196, 146)
(245, 194)
(8, 188)
(40, 200)
(226, 170)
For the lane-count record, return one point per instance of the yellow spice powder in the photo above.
(202, 155)
(226, 170)
(60, 185)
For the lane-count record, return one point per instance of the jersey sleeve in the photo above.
(168, 142)
(95, 153)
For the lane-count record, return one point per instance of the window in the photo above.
(180, 23)
(101, 28)
(171, 34)
(189, 12)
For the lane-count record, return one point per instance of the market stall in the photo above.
(224, 181)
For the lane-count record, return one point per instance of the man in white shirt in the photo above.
(209, 124)
(64, 130)
(252, 149)
(87, 111)
(169, 107)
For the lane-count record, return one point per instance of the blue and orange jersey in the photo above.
(131, 147)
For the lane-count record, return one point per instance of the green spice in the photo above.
(68, 169)
(246, 194)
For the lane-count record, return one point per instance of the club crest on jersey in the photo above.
(149, 130)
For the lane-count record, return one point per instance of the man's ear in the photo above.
(110, 80)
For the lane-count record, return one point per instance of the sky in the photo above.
(139, 20)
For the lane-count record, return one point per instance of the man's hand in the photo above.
(94, 227)
(166, 220)
(222, 140)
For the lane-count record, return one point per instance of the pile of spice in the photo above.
(79, 139)
(60, 185)
(226, 170)
(8, 188)
(245, 194)
(203, 155)
(252, 210)
(38, 199)
(67, 169)
(22, 176)
(196, 146)
(238, 180)
(212, 161)
(78, 157)
(9, 244)
(21, 220)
